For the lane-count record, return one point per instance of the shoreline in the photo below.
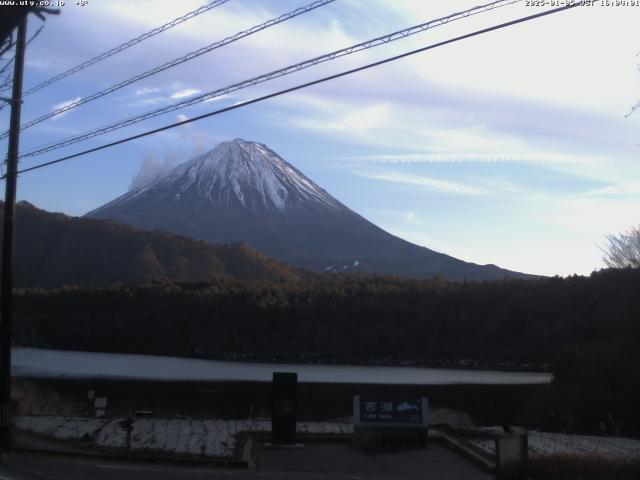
(310, 359)
(29, 362)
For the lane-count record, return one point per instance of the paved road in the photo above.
(315, 462)
(344, 461)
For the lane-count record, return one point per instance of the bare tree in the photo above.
(623, 250)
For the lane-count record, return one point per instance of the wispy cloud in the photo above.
(362, 121)
(62, 105)
(622, 188)
(150, 101)
(434, 184)
(153, 165)
(184, 93)
(181, 117)
(404, 133)
(216, 99)
(40, 64)
(462, 156)
(146, 91)
(366, 119)
(594, 217)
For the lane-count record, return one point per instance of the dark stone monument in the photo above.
(284, 406)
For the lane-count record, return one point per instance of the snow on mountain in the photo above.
(237, 172)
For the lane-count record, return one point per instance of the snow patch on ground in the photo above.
(217, 438)
(544, 443)
(211, 438)
(61, 427)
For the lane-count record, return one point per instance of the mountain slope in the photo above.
(53, 250)
(243, 191)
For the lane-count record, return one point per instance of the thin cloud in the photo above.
(186, 92)
(216, 99)
(152, 166)
(460, 157)
(154, 101)
(434, 184)
(591, 216)
(362, 121)
(62, 105)
(181, 117)
(40, 64)
(146, 91)
(622, 188)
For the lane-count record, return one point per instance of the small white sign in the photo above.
(100, 402)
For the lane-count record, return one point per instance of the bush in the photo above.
(29, 398)
(574, 467)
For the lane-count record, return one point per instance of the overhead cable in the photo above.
(177, 61)
(301, 86)
(125, 45)
(268, 76)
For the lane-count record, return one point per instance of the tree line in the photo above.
(584, 327)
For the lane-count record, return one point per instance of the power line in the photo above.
(304, 85)
(6, 83)
(7, 80)
(10, 61)
(269, 76)
(124, 46)
(185, 58)
(6, 48)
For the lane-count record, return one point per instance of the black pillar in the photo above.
(284, 408)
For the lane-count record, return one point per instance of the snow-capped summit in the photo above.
(236, 173)
(242, 191)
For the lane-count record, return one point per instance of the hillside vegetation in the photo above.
(53, 250)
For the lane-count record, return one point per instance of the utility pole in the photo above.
(6, 286)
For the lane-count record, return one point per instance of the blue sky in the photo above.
(511, 148)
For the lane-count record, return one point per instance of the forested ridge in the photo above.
(582, 326)
(53, 249)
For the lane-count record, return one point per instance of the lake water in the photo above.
(41, 363)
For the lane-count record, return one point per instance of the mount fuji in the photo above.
(243, 191)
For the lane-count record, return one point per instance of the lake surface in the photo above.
(41, 363)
